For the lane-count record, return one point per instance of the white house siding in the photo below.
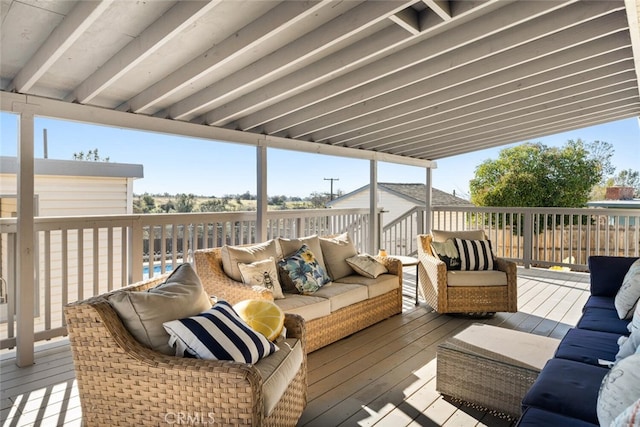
(393, 205)
(59, 195)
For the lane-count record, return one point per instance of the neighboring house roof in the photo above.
(620, 204)
(413, 192)
(75, 168)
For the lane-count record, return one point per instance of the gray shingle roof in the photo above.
(415, 192)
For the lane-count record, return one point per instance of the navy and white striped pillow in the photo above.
(474, 254)
(218, 334)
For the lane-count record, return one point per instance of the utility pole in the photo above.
(331, 179)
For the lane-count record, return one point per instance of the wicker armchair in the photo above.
(433, 278)
(121, 382)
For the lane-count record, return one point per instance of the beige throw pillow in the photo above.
(232, 255)
(262, 273)
(629, 293)
(336, 250)
(290, 246)
(367, 266)
(143, 313)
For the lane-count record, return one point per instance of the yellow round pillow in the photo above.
(262, 315)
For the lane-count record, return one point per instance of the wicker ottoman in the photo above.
(492, 367)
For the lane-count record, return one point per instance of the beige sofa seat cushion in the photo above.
(278, 370)
(477, 278)
(375, 287)
(442, 236)
(308, 306)
(343, 294)
(232, 255)
(289, 246)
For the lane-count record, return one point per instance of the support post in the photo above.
(261, 187)
(428, 198)
(374, 228)
(26, 239)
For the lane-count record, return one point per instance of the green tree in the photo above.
(318, 200)
(185, 202)
(534, 175)
(213, 205)
(629, 178)
(144, 204)
(90, 156)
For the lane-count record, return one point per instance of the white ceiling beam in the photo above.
(287, 58)
(496, 118)
(499, 101)
(407, 19)
(63, 110)
(553, 113)
(463, 91)
(83, 15)
(441, 7)
(498, 52)
(541, 130)
(633, 16)
(400, 69)
(177, 19)
(272, 24)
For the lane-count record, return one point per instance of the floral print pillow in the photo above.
(303, 271)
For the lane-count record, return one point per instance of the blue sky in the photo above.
(184, 165)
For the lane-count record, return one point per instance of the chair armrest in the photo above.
(433, 281)
(215, 281)
(507, 266)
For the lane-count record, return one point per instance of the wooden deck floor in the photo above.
(384, 375)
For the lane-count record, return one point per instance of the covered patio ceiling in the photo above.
(419, 79)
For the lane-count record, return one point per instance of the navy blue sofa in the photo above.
(566, 392)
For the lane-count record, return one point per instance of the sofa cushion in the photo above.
(568, 388)
(232, 255)
(290, 246)
(620, 388)
(474, 254)
(375, 287)
(262, 273)
(536, 417)
(218, 334)
(308, 306)
(143, 313)
(600, 302)
(343, 294)
(336, 250)
(366, 265)
(583, 345)
(442, 235)
(601, 319)
(606, 273)
(477, 278)
(278, 370)
(629, 293)
(302, 272)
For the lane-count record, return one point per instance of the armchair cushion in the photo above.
(143, 313)
(476, 278)
(474, 254)
(442, 236)
(218, 334)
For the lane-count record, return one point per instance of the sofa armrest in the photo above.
(215, 281)
(607, 274)
(393, 265)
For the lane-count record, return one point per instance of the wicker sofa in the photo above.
(123, 382)
(376, 299)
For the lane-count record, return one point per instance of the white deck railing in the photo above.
(530, 236)
(78, 257)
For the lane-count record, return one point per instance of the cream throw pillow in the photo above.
(629, 293)
(232, 255)
(619, 389)
(336, 250)
(262, 273)
(367, 266)
(290, 246)
(143, 313)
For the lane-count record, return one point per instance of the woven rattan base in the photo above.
(492, 367)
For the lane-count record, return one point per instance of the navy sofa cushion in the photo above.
(607, 274)
(583, 345)
(568, 388)
(536, 417)
(600, 302)
(604, 320)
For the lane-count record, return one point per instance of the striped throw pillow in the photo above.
(218, 334)
(474, 254)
